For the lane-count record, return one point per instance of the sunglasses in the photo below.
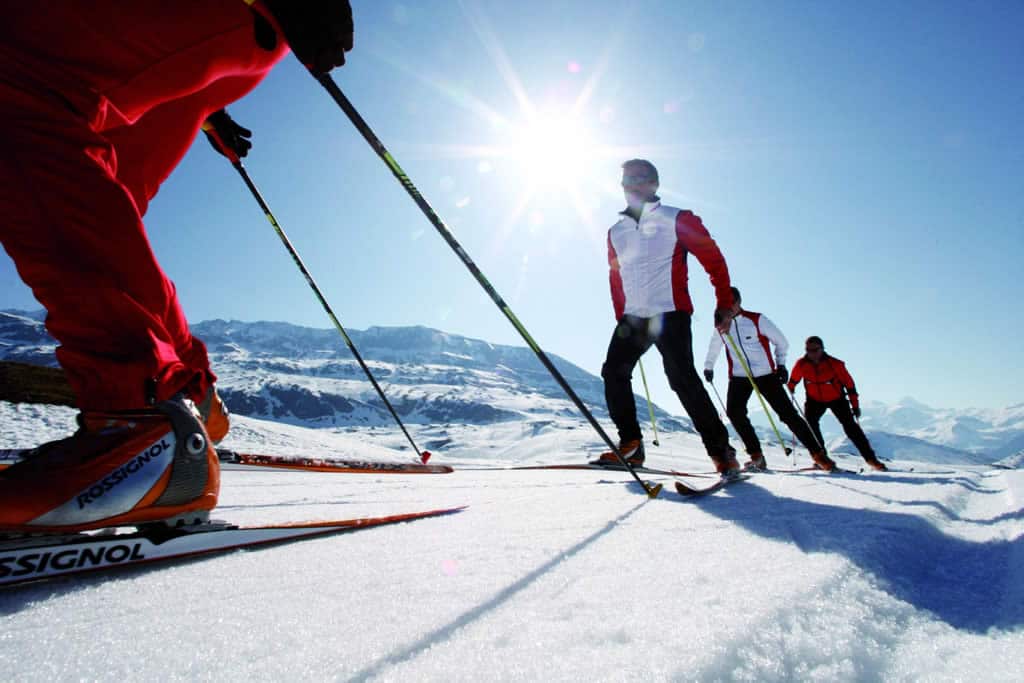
(635, 180)
(814, 350)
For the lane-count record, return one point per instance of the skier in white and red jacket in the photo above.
(647, 250)
(755, 335)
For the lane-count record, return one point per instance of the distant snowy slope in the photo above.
(308, 376)
(994, 432)
(898, 447)
(1015, 461)
(448, 383)
(24, 339)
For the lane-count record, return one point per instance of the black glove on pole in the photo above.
(226, 136)
(319, 32)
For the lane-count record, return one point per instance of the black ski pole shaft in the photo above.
(364, 129)
(807, 422)
(725, 413)
(423, 455)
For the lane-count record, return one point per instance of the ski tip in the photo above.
(424, 457)
(653, 491)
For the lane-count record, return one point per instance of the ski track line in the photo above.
(444, 633)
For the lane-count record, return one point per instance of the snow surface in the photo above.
(559, 575)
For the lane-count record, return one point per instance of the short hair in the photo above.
(649, 170)
(736, 295)
(815, 339)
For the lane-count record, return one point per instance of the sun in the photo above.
(552, 149)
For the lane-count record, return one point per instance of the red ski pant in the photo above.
(71, 219)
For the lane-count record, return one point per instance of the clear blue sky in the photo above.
(860, 165)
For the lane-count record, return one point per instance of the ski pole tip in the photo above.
(653, 491)
(424, 457)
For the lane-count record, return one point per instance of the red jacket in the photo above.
(825, 381)
(99, 101)
(113, 61)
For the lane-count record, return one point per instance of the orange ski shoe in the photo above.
(822, 461)
(726, 464)
(632, 450)
(757, 463)
(214, 415)
(119, 469)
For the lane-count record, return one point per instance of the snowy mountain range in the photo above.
(309, 377)
(438, 381)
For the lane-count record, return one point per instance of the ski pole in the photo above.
(650, 406)
(237, 163)
(719, 397)
(800, 410)
(764, 406)
(364, 129)
(725, 413)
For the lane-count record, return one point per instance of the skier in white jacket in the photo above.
(755, 334)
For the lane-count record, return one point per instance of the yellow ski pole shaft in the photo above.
(764, 406)
(650, 406)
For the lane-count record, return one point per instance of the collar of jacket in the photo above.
(647, 208)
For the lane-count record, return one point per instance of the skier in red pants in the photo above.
(99, 101)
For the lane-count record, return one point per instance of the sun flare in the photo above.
(552, 149)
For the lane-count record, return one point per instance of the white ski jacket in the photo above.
(751, 332)
(647, 261)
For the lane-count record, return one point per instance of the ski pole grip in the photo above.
(215, 139)
(261, 8)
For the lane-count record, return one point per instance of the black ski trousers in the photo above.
(774, 395)
(841, 409)
(670, 332)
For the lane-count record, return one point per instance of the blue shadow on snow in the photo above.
(961, 582)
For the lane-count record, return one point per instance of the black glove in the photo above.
(227, 133)
(709, 375)
(319, 32)
(856, 411)
(782, 373)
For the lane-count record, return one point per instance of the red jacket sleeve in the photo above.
(615, 281)
(843, 375)
(796, 374)
(698, 241)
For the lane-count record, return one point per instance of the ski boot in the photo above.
(757, 463)
(822, 461)
(632, 451)
(119, 469)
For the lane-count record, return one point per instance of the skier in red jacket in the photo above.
(99, 101)
(827, 385)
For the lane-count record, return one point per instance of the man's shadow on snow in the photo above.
(964, 583)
